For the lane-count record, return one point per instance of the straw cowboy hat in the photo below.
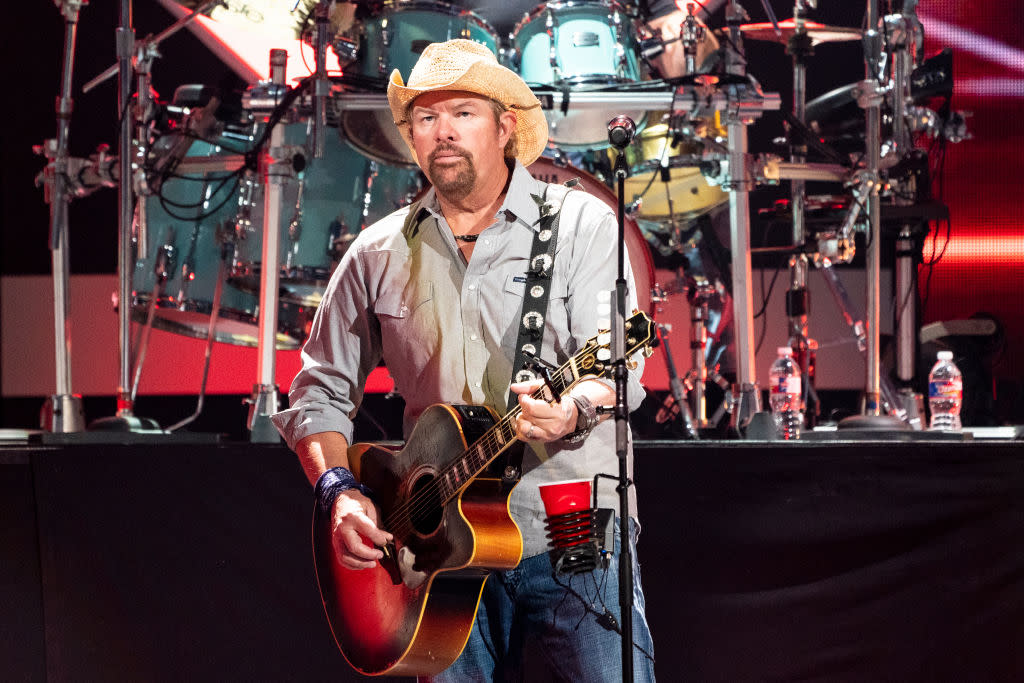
(471, 67)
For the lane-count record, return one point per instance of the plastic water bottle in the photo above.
(945, 393)
(784, 396)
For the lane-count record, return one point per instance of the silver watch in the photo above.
(586, 419)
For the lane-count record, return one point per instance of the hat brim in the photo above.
(487, 79)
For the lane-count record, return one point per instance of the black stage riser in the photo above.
(837, 562)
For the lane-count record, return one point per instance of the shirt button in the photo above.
(472, 288)
(478, 385)
(472, 337)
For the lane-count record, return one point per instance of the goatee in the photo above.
(456, 180)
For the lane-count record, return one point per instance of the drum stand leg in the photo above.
(746, 391)
(264, 400)
(797, 298)
(907, 326)
(162, 268)
(211, 334)
(889, 398)
(62, 411)
(698, 374)
(678, 389)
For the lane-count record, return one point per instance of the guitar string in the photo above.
(401, 518)
(424, 499)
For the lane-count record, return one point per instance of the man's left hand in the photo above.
(542, 420)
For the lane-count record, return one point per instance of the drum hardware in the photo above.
(273, 170)
(799, 45)
(888, 398)
(700, 291)
(676, 403)
(739, 183)
(62, 412)
(128, 183)
(691, 33)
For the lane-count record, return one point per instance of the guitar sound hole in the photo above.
(427, 514)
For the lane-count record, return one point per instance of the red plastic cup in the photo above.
(561, 497)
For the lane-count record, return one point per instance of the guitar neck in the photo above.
(500, 437)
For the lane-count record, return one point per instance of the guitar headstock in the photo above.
(595, 358)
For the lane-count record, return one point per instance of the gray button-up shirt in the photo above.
(447, 329)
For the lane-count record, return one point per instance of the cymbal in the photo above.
(819, 33)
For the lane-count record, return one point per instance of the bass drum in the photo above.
(322, 210)
(636, 247)
(393, 38)
(191, 236)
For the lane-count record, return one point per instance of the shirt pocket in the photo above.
(408, 327)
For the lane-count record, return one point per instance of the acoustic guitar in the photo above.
(444, 498)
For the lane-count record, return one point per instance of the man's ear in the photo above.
(507, 125)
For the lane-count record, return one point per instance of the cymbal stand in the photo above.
(274, 168)
(739, 185)
(906, 37)
(801, 48)
(869, 97)
(62, 411)
(124, 420)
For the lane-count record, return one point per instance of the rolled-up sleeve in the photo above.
(343, 347)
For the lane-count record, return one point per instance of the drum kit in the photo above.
(209, 198)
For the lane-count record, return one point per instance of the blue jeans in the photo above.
(530, 628)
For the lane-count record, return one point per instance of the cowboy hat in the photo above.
(468, 66)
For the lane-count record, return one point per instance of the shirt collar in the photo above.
(519, 202)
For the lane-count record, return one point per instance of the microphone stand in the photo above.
(621, 410)
(124, 420)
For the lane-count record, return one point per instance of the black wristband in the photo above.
(333, 483)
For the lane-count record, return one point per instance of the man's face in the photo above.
(457, 140)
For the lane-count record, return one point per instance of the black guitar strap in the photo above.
(535, 300)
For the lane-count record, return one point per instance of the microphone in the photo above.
(321, 83)
(621, 130)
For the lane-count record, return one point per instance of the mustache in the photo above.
(448, 149)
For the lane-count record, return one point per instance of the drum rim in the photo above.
(140, 304)
(566, 4)
(443, 7)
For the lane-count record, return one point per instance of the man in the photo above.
(438, 294)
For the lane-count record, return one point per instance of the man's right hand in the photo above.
(354, 521)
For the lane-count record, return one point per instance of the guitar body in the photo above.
(412, 613)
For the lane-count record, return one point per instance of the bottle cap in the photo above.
(945, 355)
(785, 351)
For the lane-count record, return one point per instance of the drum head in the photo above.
(394, 38)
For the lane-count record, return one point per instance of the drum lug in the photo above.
(164, 261)
(385, 39)
(551, 28)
